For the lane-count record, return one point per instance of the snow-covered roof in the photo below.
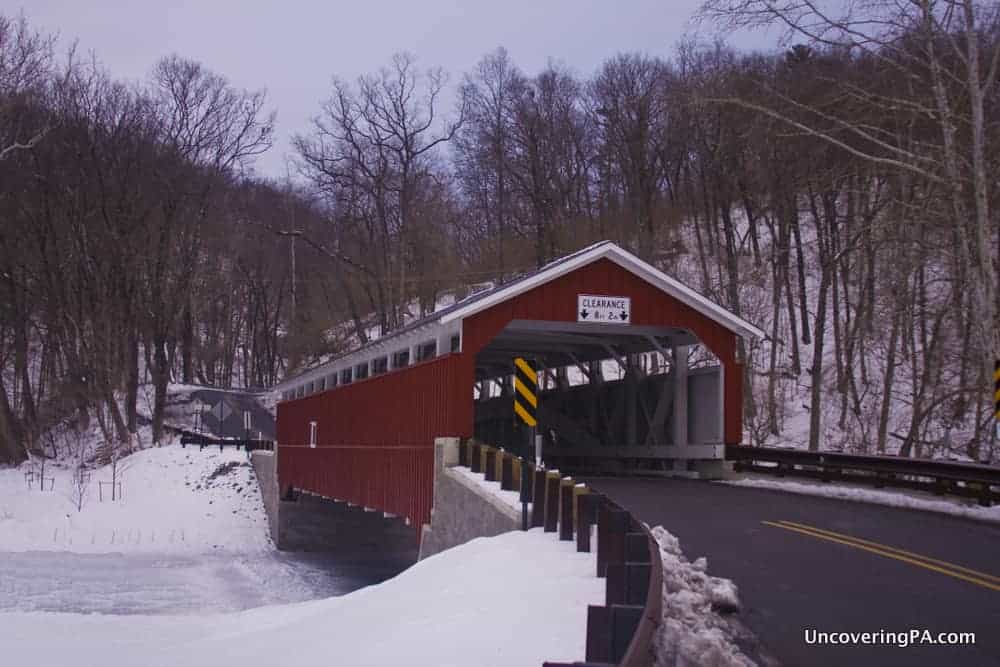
(590, 254)
(446, 323)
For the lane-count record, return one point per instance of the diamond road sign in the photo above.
(221, 411)
(603, 309)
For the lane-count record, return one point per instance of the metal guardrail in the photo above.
(620, 632)
(202, 441)
(971, 480)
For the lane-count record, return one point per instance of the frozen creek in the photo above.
(146, 583)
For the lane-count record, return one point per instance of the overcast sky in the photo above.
(293, 47)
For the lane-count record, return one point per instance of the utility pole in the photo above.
(294, 234)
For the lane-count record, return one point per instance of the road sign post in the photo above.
(996, 397)
(526, 409)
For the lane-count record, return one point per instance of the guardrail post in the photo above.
(566, 509)
(491, 464)
(587, 517)
(609, 631)
(474, 464)
(552, 483)
(624, 621)
(538, 499)
(612, 525)
(598, 634)
(506, 471)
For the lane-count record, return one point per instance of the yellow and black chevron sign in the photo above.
(526, 391)
(996, 390)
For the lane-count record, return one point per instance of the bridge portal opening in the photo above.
(612, 397)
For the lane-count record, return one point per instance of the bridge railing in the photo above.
(394, 478)
(621, 631)
(972, 480)
(202, 441)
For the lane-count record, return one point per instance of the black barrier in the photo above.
(202, 441)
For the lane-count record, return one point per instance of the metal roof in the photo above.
(623, 258)
(480, 301)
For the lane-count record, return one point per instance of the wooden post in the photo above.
(491, 464)
(612, 525)
(566, 509)
(552, 483)
(598, 634)
(587, 512)
(538, 499)
(506, 471)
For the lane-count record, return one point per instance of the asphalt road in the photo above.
(804, 569)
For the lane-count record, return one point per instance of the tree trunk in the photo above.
(12, 449)
(131, 382)
(887, 382)
(161, 378)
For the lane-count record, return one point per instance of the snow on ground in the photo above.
(516, 599)
(173, 500)
(511, 499)
(894, 498)
(693, 631)
(149, 583)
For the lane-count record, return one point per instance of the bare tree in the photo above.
(484, 150)
(371, 153)
(946, 54)
(208, 129)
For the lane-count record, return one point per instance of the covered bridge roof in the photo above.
(443, 327)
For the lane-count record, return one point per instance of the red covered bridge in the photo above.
(636, 367)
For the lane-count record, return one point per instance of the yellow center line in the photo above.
(885, 547)
(884, 551)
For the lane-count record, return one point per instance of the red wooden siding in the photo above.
(375, 437)
(398, 479)
(412, 405)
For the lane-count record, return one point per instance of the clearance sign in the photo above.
(603, 309)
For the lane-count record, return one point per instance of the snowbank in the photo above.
(898, 498)
(511, 499)
(693, 632)
(173, 500)
(516, 599)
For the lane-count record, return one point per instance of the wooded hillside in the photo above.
(839, 192)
